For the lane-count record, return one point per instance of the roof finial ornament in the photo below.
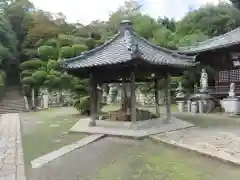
(125, 22)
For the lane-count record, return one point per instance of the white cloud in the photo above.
(88, 10)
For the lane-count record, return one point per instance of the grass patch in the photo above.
(39, 138)
(208, 120)
(157, 161)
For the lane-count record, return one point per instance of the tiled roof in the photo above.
(222, 41)
(126, 46)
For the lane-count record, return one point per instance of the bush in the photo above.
(51, 42)
(99, 42)
(39, 77)
(26, 73)
(27, 81)
(52, 64)
(65, 40)
(47, 52)
(90, 43)
(83, 105)
(79, 48)
(66, 52)
(31, 64)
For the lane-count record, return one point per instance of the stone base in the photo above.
(92, 123)
(180, 105)
(134, 126)
(128, 129)
(231, 105)
(194, 107)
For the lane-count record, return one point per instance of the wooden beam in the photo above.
(157, 97)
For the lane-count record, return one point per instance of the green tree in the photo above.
(211, 20)
(236, 3)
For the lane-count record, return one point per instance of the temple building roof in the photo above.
(218, 42)
(127, 46)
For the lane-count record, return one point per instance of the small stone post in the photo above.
(194, 107)
(45, 99)
(26, 103)
(189, 105)
(200, 105)
(180, 97)
(180, 106)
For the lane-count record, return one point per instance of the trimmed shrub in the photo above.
(83, 105)
(91, 43)
(31, 64)
(79, 48)
(52, 64)
(66, 52)
(47, 52)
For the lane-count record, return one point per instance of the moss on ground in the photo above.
(46, 131)
(156, 161)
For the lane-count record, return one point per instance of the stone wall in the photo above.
(56, 98)
(143, 99)
(148, 99)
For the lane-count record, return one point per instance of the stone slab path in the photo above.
(220, 143)
(64, 150)
(11, 152)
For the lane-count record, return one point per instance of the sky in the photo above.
(86, 11)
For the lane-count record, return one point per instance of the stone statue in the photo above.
(204, 80)
(231, 92)
(179, 90)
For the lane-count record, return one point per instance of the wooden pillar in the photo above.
(133, 99)
(98, 99)
(93, 101)
(168, 98)
(157, 98)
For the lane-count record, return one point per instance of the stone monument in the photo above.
(231, 92)
(204, 81)
(231, 104)
(45, 99)
(180, 97)
(111, 93)
(202, 101)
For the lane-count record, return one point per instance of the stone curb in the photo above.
(180, 145)
(37, 163)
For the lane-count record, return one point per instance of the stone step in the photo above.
(12, 102)
(11, 107)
